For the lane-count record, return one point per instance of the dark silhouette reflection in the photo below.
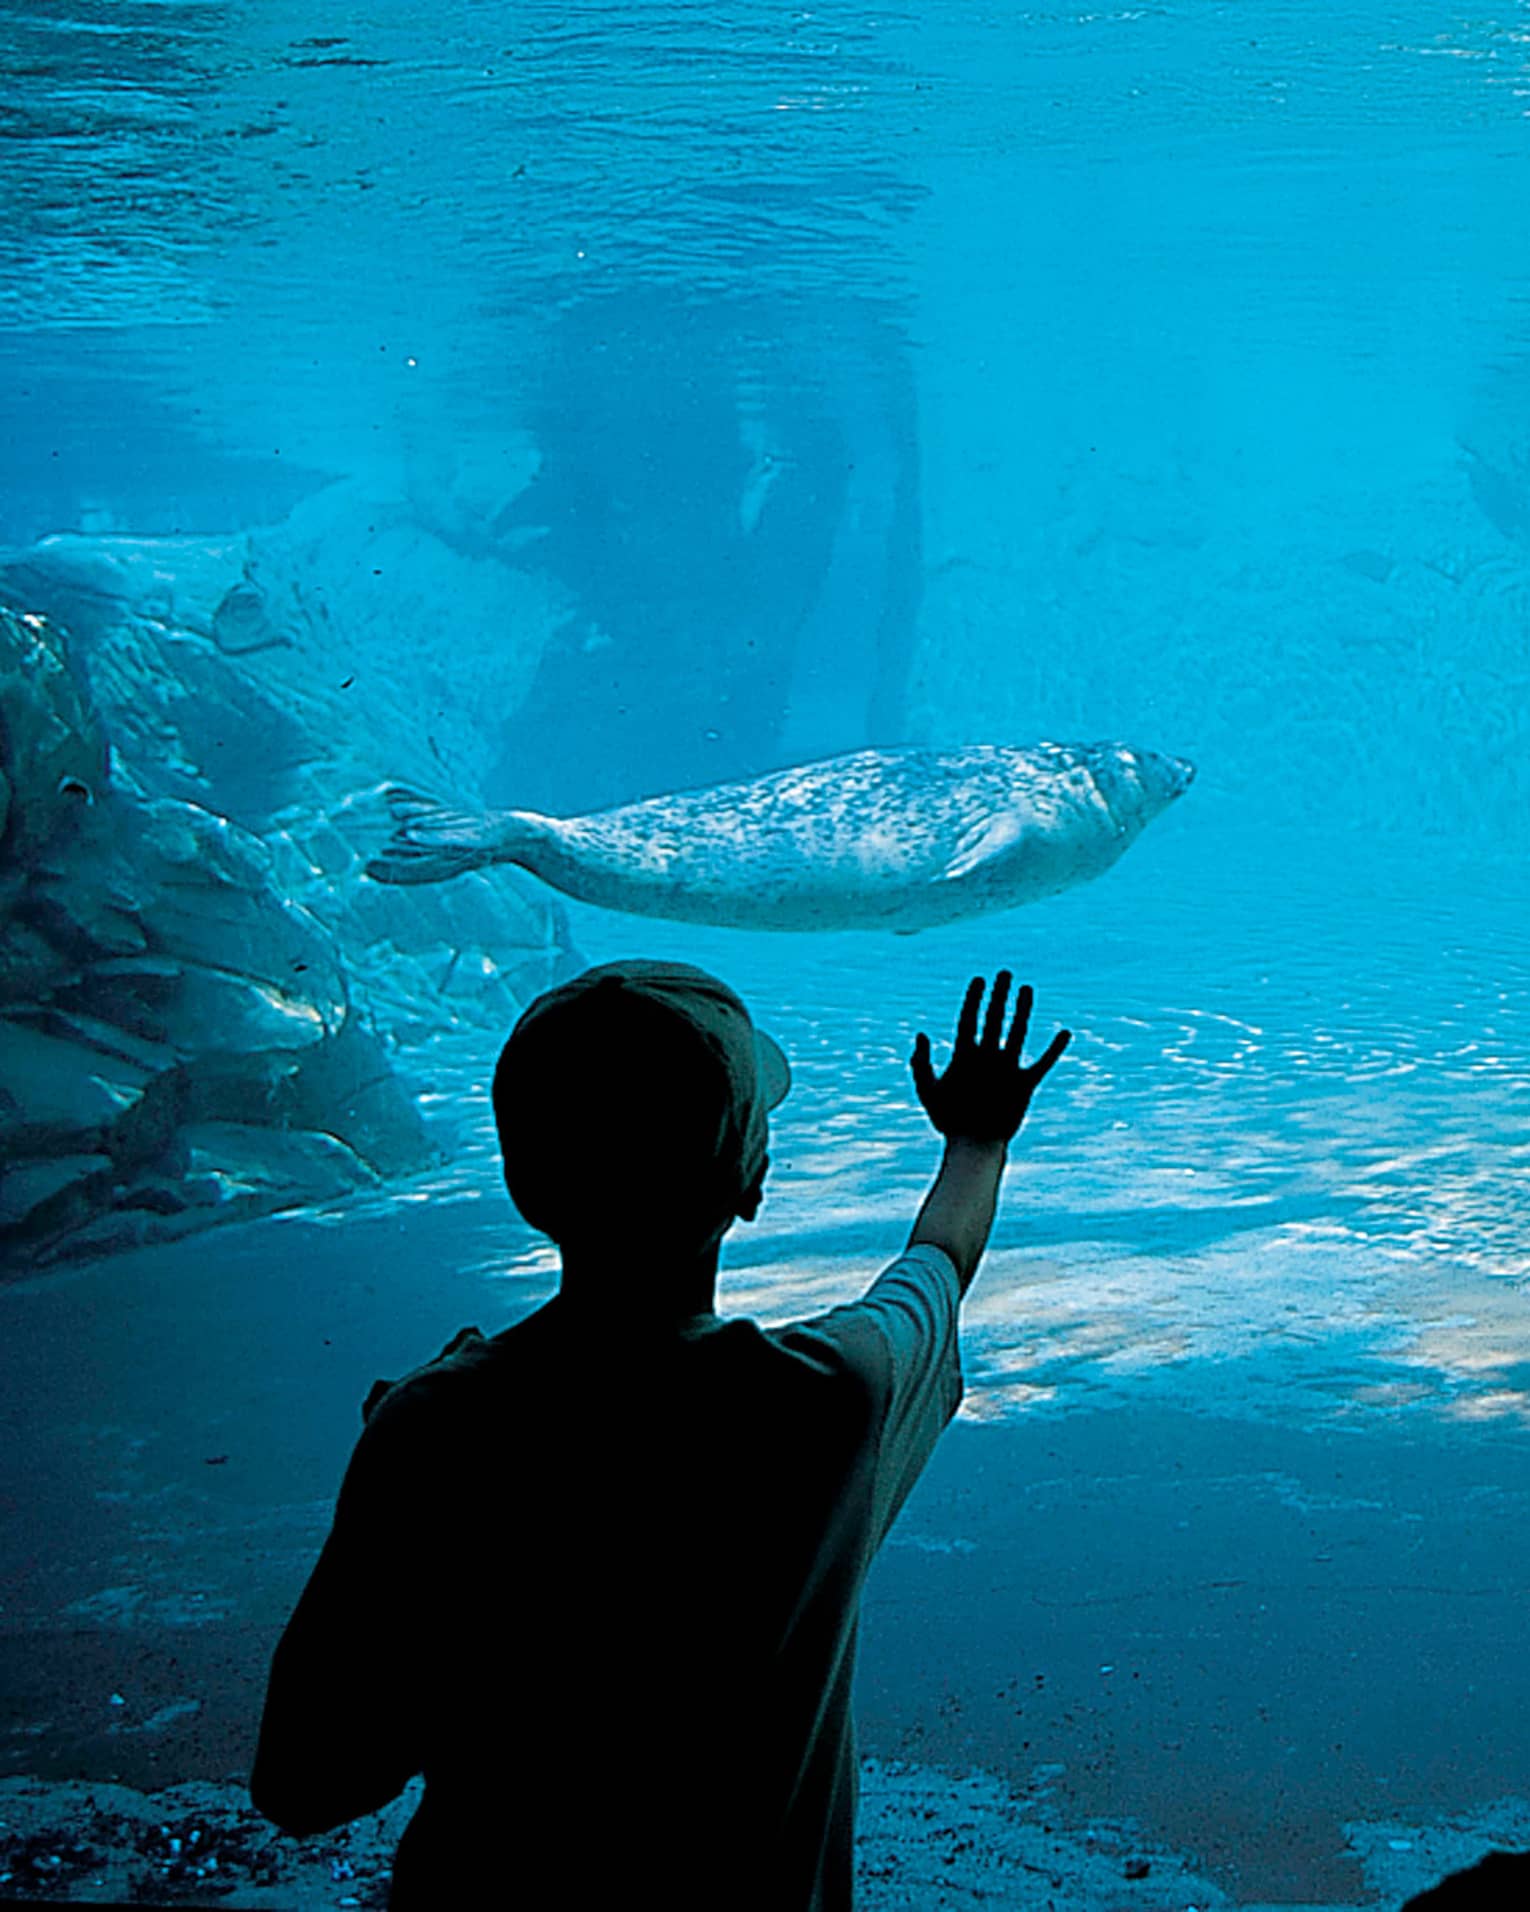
(597, 1576)
(728, 493)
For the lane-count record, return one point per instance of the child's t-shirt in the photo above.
(598, 1577)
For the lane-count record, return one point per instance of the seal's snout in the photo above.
(1162, 779)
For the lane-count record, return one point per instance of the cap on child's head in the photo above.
(639, 1082)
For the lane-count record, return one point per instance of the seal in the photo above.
(880, 839)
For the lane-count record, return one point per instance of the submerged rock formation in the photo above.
(177, 1041)
(204, 1007)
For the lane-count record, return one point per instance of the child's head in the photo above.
(632, 1102)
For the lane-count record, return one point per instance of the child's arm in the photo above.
(977, 1104)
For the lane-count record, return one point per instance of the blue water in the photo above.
(905, 374)
(1285, 1171)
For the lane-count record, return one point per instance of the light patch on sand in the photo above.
(932, 1842)
(138, 1609)
(1317, 1324)
(1400, 1859)
(1502, 1404)
(1003, 1402)
(928, 1841)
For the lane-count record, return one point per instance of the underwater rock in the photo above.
(164, 925)
(347, 1089)
(52, 745)
(30, 965)
(245, 622)
(199, 1011)
(59, 1097)
(409, 638)
(220, 1172)
(80, 891)
(44, 1201)
(152, 1057)
(196, 935)
(162, 1003)
(36, 1188)
(275, 1167)
(255, 970)
(477, 954)
(80, 919)
(199, 846)
(167, 580)
(461, 490)
(399, 646)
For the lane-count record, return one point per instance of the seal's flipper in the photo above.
(431, 842)
(980, 844)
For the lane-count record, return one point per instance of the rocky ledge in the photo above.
(206, 1011)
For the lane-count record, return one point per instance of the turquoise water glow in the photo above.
(738, 383)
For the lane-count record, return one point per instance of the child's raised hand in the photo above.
(985, 1089)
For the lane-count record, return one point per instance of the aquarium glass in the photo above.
(555, 407)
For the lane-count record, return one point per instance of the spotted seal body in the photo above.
(879, 839)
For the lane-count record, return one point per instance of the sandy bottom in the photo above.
(928, 1841)
(1213, 1596)
(1113, 1657)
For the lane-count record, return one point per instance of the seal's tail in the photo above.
(431, 843)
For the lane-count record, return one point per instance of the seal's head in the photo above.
(634, 1099)
(1139, 785)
